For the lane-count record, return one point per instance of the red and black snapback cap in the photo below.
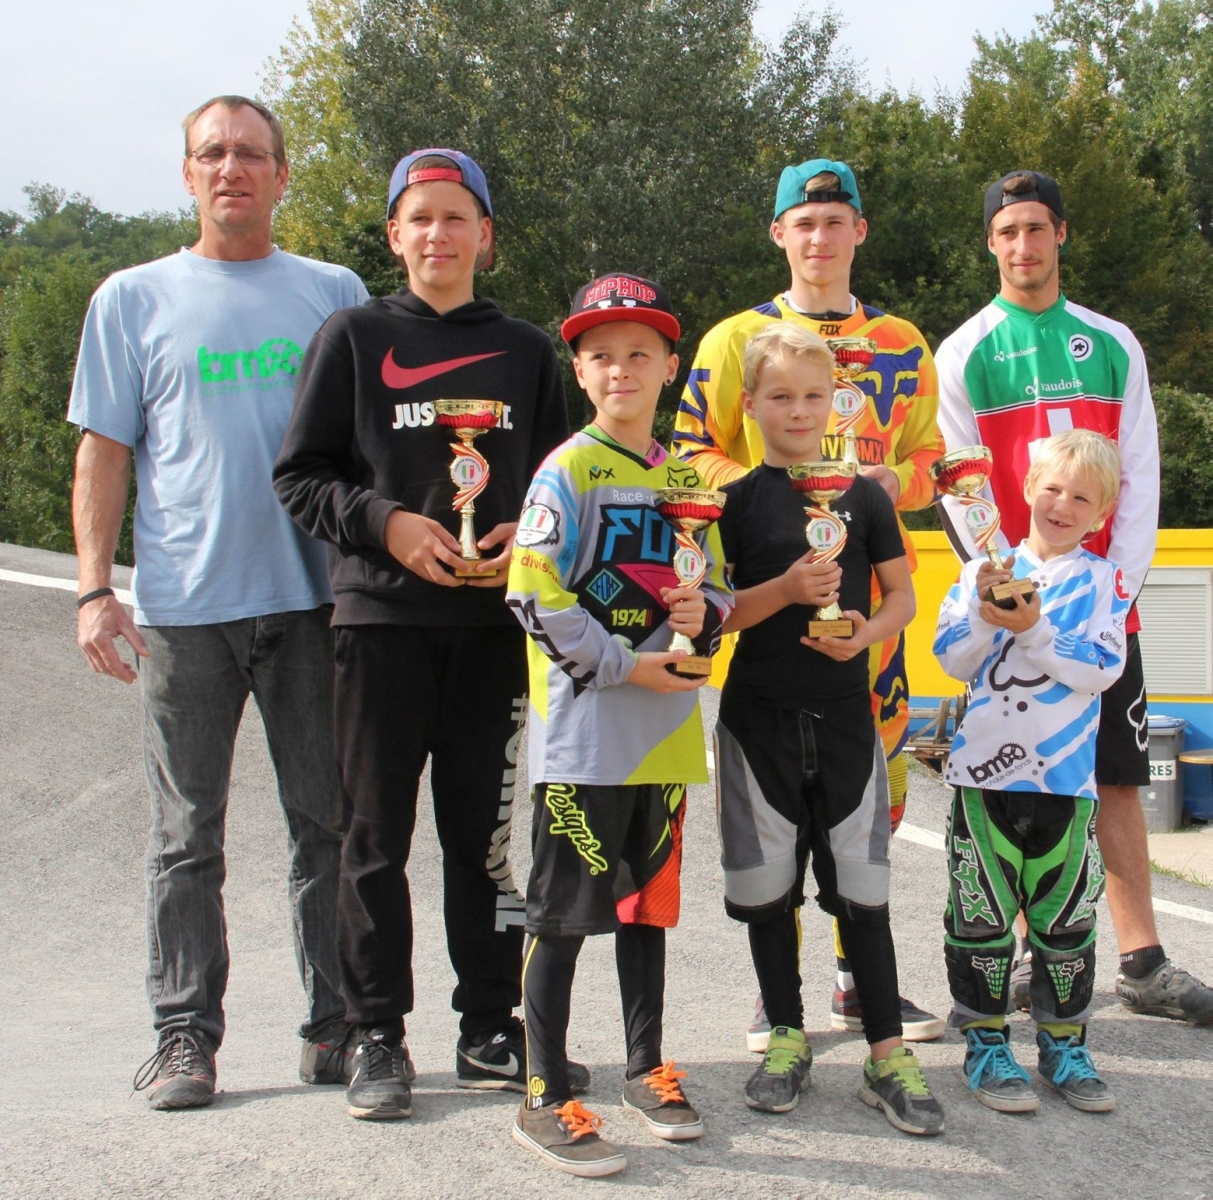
(621, 297)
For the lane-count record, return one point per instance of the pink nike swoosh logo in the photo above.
(405, 377)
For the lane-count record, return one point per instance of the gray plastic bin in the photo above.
(1163, 801)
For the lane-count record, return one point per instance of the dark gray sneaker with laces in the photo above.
(659, 1098)
(379, 1089)
(1168, 991)
(783, 1073)
(897, 1085)
(566, 1136)
(994, 1076)
(497, 1062)
(181, 1074)
(1065, 1064)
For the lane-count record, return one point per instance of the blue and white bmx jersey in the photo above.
(1032, 720)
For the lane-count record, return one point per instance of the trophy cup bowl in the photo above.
(689, 510)
(824, 482)
(963, 473)
(852, 355)
(469, 471)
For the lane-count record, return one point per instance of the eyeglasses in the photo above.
(213, 154)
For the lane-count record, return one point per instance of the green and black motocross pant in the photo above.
(1033, 851)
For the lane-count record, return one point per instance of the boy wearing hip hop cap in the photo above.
(615, 737)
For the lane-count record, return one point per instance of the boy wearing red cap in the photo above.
(429, 662)
(615, 736)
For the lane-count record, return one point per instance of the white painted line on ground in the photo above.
(923, 837)
(1184, 910)
(47, 581)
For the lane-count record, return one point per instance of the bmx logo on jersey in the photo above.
(538, 526)
(1081, 346)
(1009, 760)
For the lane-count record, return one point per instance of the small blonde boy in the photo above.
(1022, 830)
(798, 764)
(615, 737)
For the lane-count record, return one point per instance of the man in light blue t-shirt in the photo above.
(190, 361)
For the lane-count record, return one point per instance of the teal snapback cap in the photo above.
(791, 191)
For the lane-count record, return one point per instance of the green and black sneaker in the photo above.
(897, 1085)
(783, 1073)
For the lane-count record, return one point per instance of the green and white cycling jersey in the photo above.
(1010, 378)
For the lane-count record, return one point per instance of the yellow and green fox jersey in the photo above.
(591, 557)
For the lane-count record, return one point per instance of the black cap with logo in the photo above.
(621, 297)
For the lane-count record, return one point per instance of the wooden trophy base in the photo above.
(468, 573)
(1002, 595)
(844, 627)
(695, 665)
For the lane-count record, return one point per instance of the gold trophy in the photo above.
(852, 357)
(469, 469)
(963, 473)
(689, 510)
(826, 532)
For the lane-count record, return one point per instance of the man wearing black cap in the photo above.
(430, 663)
(1029, 365)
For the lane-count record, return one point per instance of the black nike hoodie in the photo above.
(363, 441)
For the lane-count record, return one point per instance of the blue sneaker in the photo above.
(994, 1076)
(1065, 1064)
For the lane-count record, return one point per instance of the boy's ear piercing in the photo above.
(1097, 527)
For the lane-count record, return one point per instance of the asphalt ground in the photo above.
(75, 1022)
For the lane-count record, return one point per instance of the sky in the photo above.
(92, 92)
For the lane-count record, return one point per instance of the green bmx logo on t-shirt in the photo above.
(273, 358)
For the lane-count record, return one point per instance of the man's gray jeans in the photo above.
(194, 686)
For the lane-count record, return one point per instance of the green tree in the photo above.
(333, 192)
(51, 261)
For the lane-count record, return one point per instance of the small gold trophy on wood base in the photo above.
(469, 469)
(689, 510)
(826, 531)
(963, 473)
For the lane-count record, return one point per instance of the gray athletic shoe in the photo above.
(783, 1073)
(181, 1073)
(566, 1136)
(659, 1098)
(1065, 1064)
(897, 1085)
(994, 1076)
(1168, 991)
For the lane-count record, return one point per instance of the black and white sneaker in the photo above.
(497, 1062)
(379, 1089)
(328, 1055)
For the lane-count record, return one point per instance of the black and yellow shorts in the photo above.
(604, 856)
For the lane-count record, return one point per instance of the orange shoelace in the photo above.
(578, 1119)
(664, 1082)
